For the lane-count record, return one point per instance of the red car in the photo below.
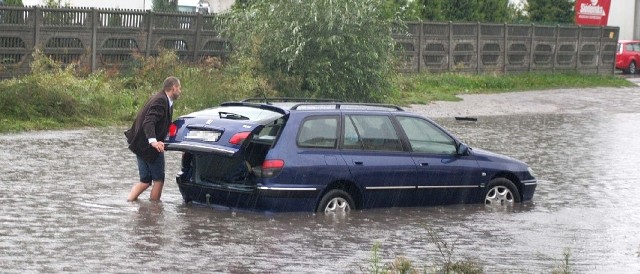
(628, 56)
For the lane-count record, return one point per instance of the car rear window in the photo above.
(239, 113)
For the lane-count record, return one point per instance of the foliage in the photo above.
(164, 5)
(564, 267)
(489, 11)
(71, 100)
(53, 96)
(33, 102)
(446, 265)
(242, 4)
(433, 10)
(324, 48)
(115, 20)
(407, 10)
(17, 3)
(497, 11)
(550, 11)
(462, 10)
(55, 3)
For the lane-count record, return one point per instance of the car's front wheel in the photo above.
(501, 192)
(336, 201)
(632, 69)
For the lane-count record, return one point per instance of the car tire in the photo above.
(336, 201)
(632, 69)
(501, 192)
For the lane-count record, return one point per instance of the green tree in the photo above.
(54, 3)
(432, 10)
(517, 14)
(242, 4)
(164, 5)
(462, 10)
(550, 11)
(496, 11)
(407, 10)
(320, 48)
(17, 3)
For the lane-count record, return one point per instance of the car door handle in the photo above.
(359, 163)
(424, 164)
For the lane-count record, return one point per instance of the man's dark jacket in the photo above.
(151, 122)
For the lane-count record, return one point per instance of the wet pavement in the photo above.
(63, 208)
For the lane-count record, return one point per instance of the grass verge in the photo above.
(54, 97)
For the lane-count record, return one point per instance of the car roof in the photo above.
(285, 104)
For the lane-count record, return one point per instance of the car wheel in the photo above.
(336, 201)
(501, 192)
(632, 69)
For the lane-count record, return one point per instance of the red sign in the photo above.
(592, 12)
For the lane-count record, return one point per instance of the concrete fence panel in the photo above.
(97, 39)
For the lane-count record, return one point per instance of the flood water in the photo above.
(63, 208)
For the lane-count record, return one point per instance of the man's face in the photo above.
(176, 91)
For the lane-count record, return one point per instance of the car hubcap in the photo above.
(499, 195)
(337, 205)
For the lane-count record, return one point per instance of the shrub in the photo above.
(323, 48)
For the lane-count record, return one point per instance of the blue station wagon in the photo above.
(325, 156)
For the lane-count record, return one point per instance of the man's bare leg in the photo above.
(156, 190)
(136, 190)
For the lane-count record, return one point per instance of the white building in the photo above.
(626, 15)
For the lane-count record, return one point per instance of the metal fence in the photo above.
(101, 39)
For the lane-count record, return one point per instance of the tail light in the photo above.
(173, 130)
(269, 168)
(239, 137)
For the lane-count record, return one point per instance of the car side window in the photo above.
(370, 132)
(270, 131)
(318, 132)
(629, 47)
(426, 137)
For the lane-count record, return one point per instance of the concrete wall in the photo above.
(105, 39)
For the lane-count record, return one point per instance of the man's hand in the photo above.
(159, 146)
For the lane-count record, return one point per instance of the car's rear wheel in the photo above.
(336, 201)
(632, 69)
(501, 192)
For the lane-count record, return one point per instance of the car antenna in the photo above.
(266, 100)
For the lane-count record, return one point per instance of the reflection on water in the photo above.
(63, 208)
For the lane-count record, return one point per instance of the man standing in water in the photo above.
(146, 135)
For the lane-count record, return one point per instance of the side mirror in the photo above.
(463, 149)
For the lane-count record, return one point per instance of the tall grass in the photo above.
(53, 96)
(424, 88)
